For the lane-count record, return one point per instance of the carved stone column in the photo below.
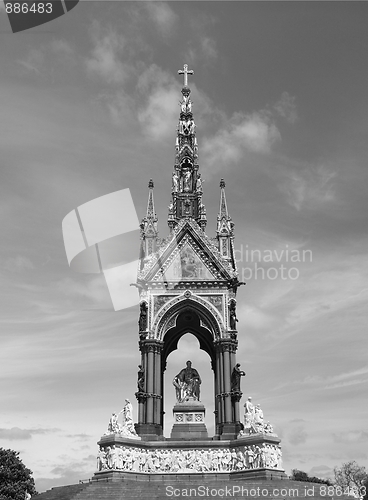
(228, 428)
(227, 383)
(150, 402)
(218, 414)
(158, 385)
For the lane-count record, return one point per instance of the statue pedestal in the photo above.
(189, 421)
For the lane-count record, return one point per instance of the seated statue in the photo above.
(187, 383)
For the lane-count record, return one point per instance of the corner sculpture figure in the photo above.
(143, 317)
(253, 420)
(128, 424)
(235, 378)
(232, 315)
(113, 426)
(127, 428)
(187, 383)
(140, 382)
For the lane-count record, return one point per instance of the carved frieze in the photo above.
(211, 460)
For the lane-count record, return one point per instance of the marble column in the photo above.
(157, 387)
(227, 385)
(150, 385)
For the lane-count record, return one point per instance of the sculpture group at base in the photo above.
(193, 461)
(253, 420)
(125, 429)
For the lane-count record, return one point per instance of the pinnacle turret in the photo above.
(186, 180)
(225, 225)
(148, 225)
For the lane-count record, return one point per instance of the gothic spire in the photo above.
(148, 226)
(186, 180)
(225, 225)
(151, 215)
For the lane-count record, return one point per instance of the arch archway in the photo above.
(184, 314)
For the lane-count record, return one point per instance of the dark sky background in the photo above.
(89, 105)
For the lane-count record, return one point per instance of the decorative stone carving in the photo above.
(254, 420)
(143, 317)
(159, 301)
(236, 375)
(175, 182)
(199, 188)
(232, 315)
(187, 383)
(113, 426)
(174, 461)
(216, 301)
(172, 306)
(140, 382)
(126, 428)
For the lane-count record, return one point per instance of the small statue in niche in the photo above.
(235, 378)
(187, 180)
(175, 182)
(140, 382)
(199, 184)
(232, 315)
(186, 104)
(143, 317)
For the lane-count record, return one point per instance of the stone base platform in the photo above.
(255, 457)
(179, 487)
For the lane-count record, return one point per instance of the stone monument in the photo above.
(188, 283)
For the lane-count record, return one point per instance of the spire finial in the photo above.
(185, 71)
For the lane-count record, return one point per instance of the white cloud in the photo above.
(253, 317)
(94, 289)
(349, 436)
(34, 61)
(17, 434)
(311, 187)
(296, 433)
(105, 60)
(62, 47)
(254, 132)
(286, 107)
(162, 15)
(158, 115)
(334, 381)
(209, 49)
(18, 264)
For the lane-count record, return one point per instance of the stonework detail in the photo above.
(126, 428)
(159, 301)
(216, 301)
(174, 461)
(171, 307)
(254, 421)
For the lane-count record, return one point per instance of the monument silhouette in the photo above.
(187, 283)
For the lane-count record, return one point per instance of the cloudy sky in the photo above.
(89, 105)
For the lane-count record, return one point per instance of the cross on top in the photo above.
(185, 71)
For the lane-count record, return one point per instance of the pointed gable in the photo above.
(188, 256)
